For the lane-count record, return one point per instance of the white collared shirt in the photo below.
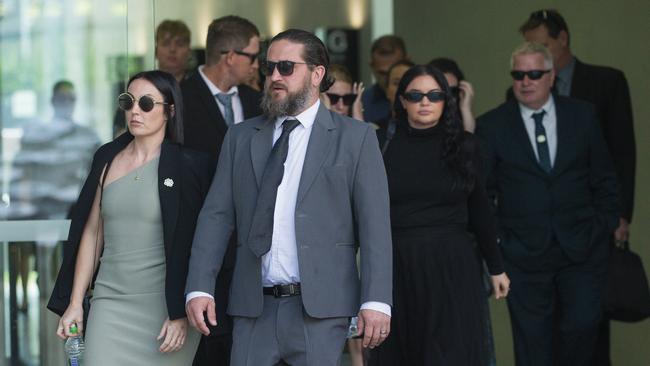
(237, 108)
(550, 125)
(280, 265)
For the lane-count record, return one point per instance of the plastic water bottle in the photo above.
(74, 347)
(353, 329)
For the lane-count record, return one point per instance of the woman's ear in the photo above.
(172, 110)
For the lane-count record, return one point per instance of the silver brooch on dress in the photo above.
(168, 182)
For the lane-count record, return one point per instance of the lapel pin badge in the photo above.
(169, 182)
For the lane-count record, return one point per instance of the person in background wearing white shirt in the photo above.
(215, 100)
(216, 96)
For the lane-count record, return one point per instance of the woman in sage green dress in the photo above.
(132, 228)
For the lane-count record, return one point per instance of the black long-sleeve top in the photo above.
(424, 193)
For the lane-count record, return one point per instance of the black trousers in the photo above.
(213, 351)
(602, 355)
(556, 311)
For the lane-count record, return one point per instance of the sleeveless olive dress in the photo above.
(128, 307)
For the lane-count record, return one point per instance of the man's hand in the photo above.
(195, 309)
(375, 327)
(501, 285)
(622, 233)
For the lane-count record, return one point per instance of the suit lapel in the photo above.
(518, 129)
(580, 82)
(210, 104)
(249, 101)
(319, 143)
(169, 180)
(564, 133)
(261, 145)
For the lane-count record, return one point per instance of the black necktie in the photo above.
(259, 238)
(542, 142)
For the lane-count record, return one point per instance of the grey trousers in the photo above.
(285, 334)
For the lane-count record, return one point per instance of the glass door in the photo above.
(63, 63)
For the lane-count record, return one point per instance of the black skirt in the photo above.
(439, 313)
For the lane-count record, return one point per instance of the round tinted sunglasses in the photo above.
(433, 96)
(348, 99)
(126, 101)
(285, 68)
(532, 74)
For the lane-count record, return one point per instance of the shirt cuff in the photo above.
(194, 294)
(374, 305)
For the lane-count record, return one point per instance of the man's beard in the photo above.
(293, 104)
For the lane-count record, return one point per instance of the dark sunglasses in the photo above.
(532, 74)
(285, 68)
(126, 101)
(433, 96)
(348, 99)
(251, 56)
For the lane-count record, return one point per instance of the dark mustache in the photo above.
(278, 85)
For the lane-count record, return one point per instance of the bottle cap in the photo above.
(73, 328)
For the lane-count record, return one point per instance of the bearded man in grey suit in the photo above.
(304, 188)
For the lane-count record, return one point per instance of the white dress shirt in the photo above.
(550, 125)
(237, 108)
(280, 265)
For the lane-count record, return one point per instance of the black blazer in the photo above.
(204, 126)
(575, 204)
(180, 204)
(606, 88)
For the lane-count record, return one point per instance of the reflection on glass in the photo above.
(52, 161)
(49, 129)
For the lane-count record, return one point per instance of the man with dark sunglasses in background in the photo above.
(216, 99)
(556, 194)
(384, 52)
(304, 187)
(607, 89)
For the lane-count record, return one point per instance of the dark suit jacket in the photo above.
(204, 129)
(575, 204)
(204, 125)
(180, 204)
(607, 89)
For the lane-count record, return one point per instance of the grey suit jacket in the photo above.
(342, 203)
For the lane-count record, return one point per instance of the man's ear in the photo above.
(563, 38)
(317, 75)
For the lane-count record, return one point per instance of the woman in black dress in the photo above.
(437, 197)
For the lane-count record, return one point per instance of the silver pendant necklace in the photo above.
(137, 174)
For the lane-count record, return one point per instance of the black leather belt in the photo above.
(292, 289)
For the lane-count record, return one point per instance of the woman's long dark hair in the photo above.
(171, 92)
(456, 154)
